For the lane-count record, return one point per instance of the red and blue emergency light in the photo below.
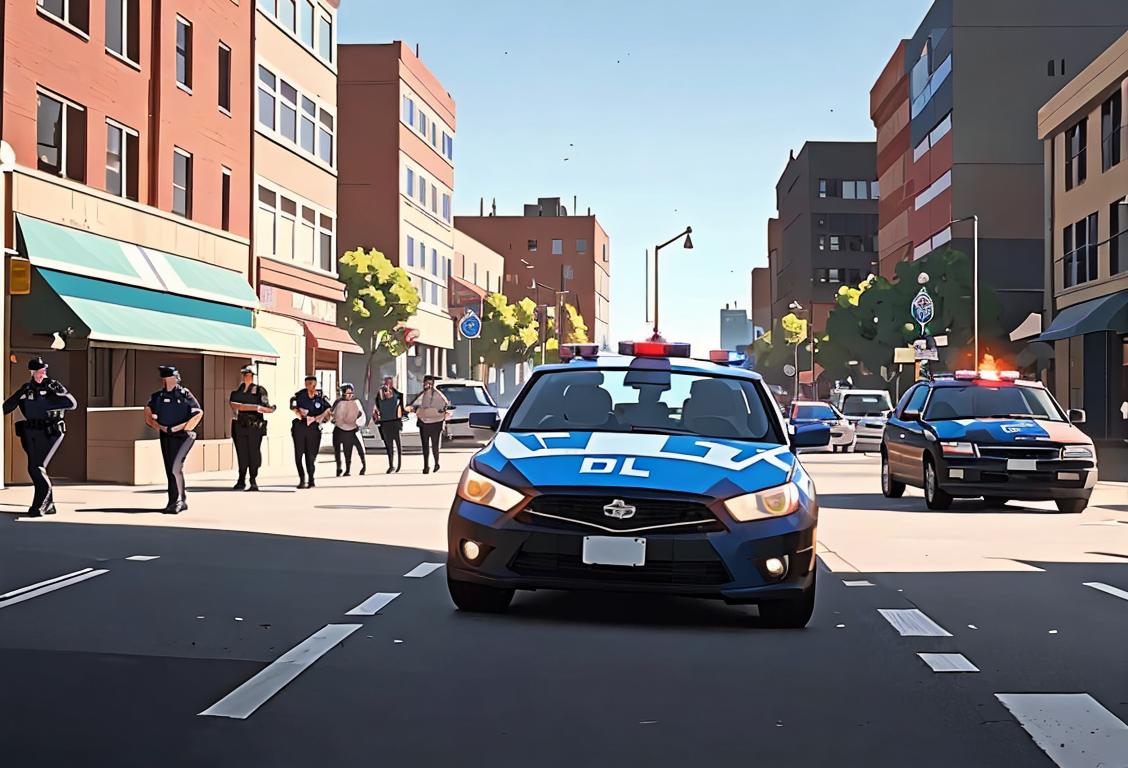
(654, 349)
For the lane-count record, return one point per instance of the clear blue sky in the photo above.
(679, 114)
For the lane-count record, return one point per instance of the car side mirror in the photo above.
(810, 436)
(910, 416)
(1077, 416)
(887, 415)
(485, 420)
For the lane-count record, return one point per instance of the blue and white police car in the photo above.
(644, 471)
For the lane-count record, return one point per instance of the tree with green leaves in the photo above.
(379, 299)
(510, 332)
(575, 332)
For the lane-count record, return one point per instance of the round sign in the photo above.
(410, 336)
(470, 326)
(923, 308)
(789, 370)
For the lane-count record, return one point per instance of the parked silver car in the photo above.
(467, 397)
(867, 410)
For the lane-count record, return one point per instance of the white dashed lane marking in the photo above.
(948, 662)
(859, 583)
(372, 605)
(50, 585)
(242, 702)
(912, 623)
(143, 558)
(1107, 589)
(423, 569)
(1072, 728)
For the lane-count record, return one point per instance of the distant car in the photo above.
(867, 410)
(467, 397)
(987, 434)
(804, 412)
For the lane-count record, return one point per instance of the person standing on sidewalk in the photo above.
(42, 402)
(431, 409)
(388, 415)
(174, 412)
(311, 410)
(249, 401)
(348, 418)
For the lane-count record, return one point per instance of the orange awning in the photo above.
(330, 337)
(805, 376)
(462, 294)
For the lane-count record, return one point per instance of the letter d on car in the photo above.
(598, 466)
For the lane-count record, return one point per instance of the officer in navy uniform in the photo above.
(174, 412)
(249, 401)
(311, 409)
(42, 402)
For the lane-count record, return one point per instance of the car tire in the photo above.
(477, 598)
(934, 496)
(1071, 506)
(789, 614)
(890, 488)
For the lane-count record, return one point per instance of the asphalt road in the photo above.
(113, 666)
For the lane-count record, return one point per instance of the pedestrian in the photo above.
(42, 402)
(388, 415)
(311, 410)
(249, 402)
(174, 412)
(348, 418)
(431, 408)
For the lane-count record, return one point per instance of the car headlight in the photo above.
(1076, 452)
(958, 449)
(761, 505)
(479, 489)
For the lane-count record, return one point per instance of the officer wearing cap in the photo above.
(311, 410)
(42, 402)
(174, 412)
(249, 402)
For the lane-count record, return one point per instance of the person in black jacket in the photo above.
(248, 402)
(311, 410)
(42, 402)
(174, 412)
(388, 415)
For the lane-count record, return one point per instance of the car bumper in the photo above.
(1051, 480)
(726, 565)
(869, 434)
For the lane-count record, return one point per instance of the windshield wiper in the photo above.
(662, 430)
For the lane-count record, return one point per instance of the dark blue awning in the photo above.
(1101, 315)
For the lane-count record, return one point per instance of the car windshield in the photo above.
(461, 394)
(865, 405)
(814, 412)
(980, 401)
(648, 400)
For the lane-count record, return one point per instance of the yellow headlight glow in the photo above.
(770, 502)
(479, 489)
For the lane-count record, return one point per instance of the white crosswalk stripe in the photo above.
(948, 662)
(1107, 589)
(423, 569)
(1072, 728)
(374, 604)
(912, 623)
(43, 588)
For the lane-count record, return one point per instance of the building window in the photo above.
(325, 233)
(434, 261)
(121, 160)
(184, 53)
(409, 111)
(836, 242)
(1075, 154)
(422, 191)
(581, 246)
(410, 182)
(605, 257)
(875, 188)
(532, 246)
(448, 146)
(1118, 242)
(288, 111)
(325, 38)
(410, 251)
(268, 86)
(73, 13)
(305, 24)
(1079, 246)
(422, 256)
(434, 199)
(446, 207)
(225, 198)
(557, 247)
(325, 135)
(123, 29)
(60, 137)
(287, 14)
(1111, 116)
(312, 130)
(225, 78)
(182, 183)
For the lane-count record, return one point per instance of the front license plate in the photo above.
(1022, 465)
(614, 550)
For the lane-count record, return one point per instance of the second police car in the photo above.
(644, 471)
(987, 434)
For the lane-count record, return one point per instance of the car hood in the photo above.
(1020, 431)
(706, 466)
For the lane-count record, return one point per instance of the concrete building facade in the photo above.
(761, 313)
(476, 272)
(1085, 139)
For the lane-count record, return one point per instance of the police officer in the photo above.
(42, 402)
(249, 401)
(311, 410)
(174, 412)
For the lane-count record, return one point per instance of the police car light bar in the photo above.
(988, 375)
(654, 349)
(583, 351)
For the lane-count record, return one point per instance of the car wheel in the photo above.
(476, 598)
(1071, 506)
(995, 501)
(789, 614)
(934, 496)
(890, 488)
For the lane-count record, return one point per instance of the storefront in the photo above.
(105, 314)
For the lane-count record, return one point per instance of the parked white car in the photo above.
(867, 410)
(805, 412)
(467, 397)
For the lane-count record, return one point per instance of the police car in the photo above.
(643, 471)
(987, 434)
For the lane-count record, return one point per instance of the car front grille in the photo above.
(1002, 452)
(670, 562)
(587, 513)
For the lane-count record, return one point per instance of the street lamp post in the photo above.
(688, 244)
(974, 282)
(797, 308)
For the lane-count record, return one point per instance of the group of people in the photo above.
(174, 412)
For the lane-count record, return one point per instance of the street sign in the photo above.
(789, 370)
(922, 351)
(470, 326)
(923, 308)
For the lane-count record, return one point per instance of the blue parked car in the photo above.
(644, 471)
